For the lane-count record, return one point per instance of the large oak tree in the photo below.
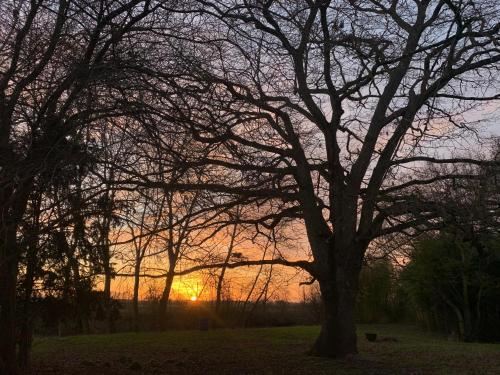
(318, 109)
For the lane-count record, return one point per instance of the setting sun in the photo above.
(193, 298)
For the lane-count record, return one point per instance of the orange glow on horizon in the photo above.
(193, 298)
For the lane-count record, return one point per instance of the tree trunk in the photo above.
(110, 327)
(460, 322)
(477, 323)
(26, 327)
(10, 215)
(468, 334)
(220, 281)
(162, 314)
(82, 300)
(25, 340)
(8, 281)
(337, 338)
(135, 301)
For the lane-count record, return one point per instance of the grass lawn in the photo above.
(259, 351)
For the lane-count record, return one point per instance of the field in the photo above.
(260, 351)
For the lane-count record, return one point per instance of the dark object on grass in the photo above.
(371, 337)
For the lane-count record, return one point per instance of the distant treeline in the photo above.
(54, 320)
(449, 284)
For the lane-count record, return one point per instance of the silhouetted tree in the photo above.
(55, 56)
(315, 109)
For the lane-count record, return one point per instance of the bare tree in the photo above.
(178, 238)
(230, 248)
(53, 55)
(143, 232)
(316, 109)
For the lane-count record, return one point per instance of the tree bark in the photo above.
(26, 326)
(162, 315)
(468, 326)
(81, 295)
(337, 338)
(107, 298)
(135, 301)
(8, 281)
(220, 281)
